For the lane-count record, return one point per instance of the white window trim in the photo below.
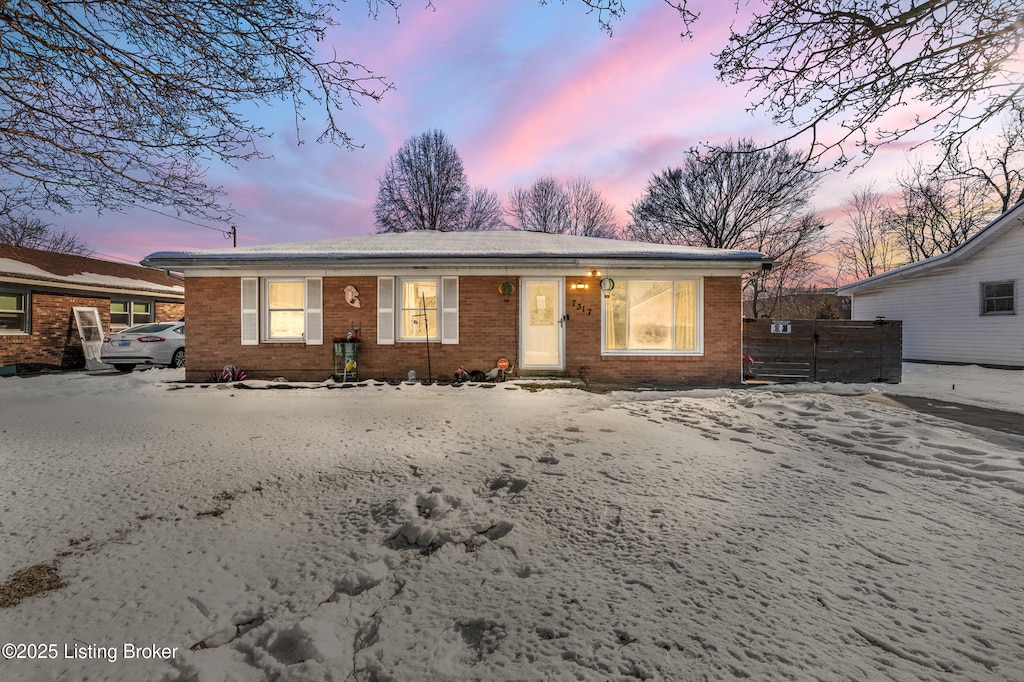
(983, 298)
(699, 322)
(447, 331)
(312, 328)
(26, 301)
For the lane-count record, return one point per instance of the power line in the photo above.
(109, 257)
(228, 234)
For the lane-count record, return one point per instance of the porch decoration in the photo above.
(346, 350)
(229, 373)
(607, 284)
(506, 289)
(352, 296)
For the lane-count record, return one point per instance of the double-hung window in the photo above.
(417, 309)
(998, 298)
(654, 317)
(14, 318)
(282, 310)
(418, 319)
(130, 313)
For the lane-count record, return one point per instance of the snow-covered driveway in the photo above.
(437, 533)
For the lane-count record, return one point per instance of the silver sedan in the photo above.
(159, 343)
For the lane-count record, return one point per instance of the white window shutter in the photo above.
(449, 310)
(314, 311)
(250, 311)
(386, 311)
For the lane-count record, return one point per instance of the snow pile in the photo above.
(427, 532)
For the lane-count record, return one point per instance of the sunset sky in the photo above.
(521, 90)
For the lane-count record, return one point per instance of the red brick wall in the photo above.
(719, 365)
(488, 329)
(165, 312)
(54, 339)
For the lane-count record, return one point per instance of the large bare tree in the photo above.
(571, 207)
(424, 187)
(107, 104)
(738, 197)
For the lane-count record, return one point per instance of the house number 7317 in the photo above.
(580, 307)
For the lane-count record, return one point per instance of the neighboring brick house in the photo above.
(39, 289)
(606, 311)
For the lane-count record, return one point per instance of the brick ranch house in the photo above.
(39, 289)
(606, 311)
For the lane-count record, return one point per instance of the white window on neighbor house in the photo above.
(998, 298)
(654, 317)
(14, 312)
(282, 310)
(411, 309)
(128, 313)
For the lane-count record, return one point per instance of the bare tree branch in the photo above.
(868, 247)
(573, 207)
(32, 233)
(837, 69)
(937, 211)
(738, 197)
(110, 104)
(484, 211)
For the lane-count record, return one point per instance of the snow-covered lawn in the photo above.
(438, 533)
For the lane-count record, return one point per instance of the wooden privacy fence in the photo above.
(846, 351)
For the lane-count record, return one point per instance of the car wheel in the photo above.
(123, 368)
(178, 359)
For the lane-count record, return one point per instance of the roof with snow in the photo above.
(462, 247)
(19, 265)
(1012, 219)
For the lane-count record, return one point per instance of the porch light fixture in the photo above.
(594, 273)
(579, 285)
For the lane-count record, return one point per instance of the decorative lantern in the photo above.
(607, 284)
(506, 289)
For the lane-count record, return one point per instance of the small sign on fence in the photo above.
(782, 327)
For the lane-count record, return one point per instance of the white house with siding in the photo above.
(962, 306)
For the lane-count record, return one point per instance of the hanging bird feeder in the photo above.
(607, 284)
(506, 289)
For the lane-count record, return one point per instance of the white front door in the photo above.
(542, 328)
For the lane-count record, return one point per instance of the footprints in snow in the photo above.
(429, 520)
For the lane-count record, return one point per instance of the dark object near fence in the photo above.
(846, 351)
